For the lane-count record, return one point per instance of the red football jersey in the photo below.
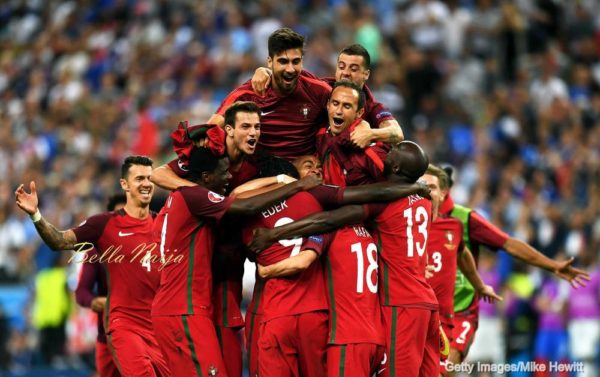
(304, 292)
(186, 229)
(401, 229)
(289, 123)
(351, 272)
(228, 273)
(124, 244)
(344, 164)
(445, 241)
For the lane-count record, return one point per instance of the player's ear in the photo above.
(360, 112)
(270, 62)
(229, 130)
(367, 74)
(124, 184)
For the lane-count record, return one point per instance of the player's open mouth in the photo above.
(289, 79)
(146, 192)
(338, 121)
(252, 142)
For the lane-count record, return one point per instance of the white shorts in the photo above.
(584, 338)
(488, 345)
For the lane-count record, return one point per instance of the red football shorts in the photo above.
(354, 360)
(465, 326)
(105, 365)
(413, 337)
(230, 340)
(293, 345)
(135, 351)
(190, 345)
(251, 331)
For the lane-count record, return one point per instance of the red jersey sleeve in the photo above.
(315, 242)
(91, 229)
(486, 233)
(328, 196)
(179, 167)
(84, 293)
(375, 112)
(244, 89)
(204, 203)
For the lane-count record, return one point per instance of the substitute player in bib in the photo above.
(182, 310)
(478, 231)
(446, 251)
(125, 238)
(411, 320)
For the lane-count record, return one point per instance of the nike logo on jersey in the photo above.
(263, 113)
(121, 234)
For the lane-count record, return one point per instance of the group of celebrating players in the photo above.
(355, 277)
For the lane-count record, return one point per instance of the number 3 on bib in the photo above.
(418, 240)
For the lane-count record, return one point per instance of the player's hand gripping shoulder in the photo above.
(423, 189)
(262, 239)
(309, 182)
(576, 277)
(261, 80)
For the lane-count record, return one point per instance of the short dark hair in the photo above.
(202, 160)
(240, 106)
(284, 39)
(134, 160)
(441, 175)
(114, 200)
(351, 85)
(270, 166)
(358, 50)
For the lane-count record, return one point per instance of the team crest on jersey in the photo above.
(305, 110)
(212, 371)
(450, 239)
(214, 197)
(182, 165)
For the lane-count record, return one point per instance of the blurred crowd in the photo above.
(507, 92)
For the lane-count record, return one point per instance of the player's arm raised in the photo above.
(55, 239)
(562, 269)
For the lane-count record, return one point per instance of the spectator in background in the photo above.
(583, 315)
(551, 339)
(52, 307)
